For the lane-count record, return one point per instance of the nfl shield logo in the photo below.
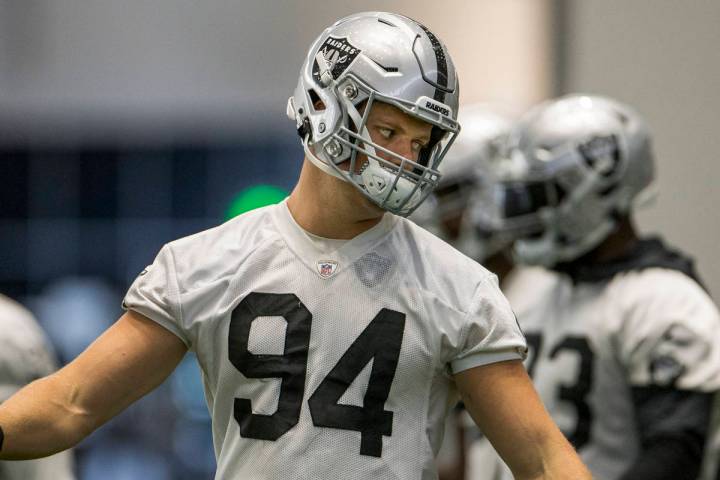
(326, 268)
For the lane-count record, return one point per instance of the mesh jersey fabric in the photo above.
(208, 287)
(26, 355)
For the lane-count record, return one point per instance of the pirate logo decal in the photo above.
(602, 154)
(338, 54)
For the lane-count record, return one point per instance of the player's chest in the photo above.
(304, 330)
(297, 361)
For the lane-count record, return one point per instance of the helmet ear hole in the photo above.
(317, 104)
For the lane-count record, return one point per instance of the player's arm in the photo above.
(502, 400)
(54, 413)
(673, 426)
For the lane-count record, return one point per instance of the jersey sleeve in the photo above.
(155, 294)
(490, 332)
(671, 335)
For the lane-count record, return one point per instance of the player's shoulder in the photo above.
(441, 269)
(10, 309)
(232, 233)
(220, 250)
(23, 340)
(654, 269)
(653, 300)
(659, 284)
(16, 320)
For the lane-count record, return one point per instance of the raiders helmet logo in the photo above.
(602, 154)
(338, 54)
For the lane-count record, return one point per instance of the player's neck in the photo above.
(616, 244)
(327, 207)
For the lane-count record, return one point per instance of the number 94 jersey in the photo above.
(322, 358)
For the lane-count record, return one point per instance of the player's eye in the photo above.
(417, 146)
(386, 132)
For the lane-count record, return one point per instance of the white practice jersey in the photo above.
(25, 355)
(590, 343)
(326, 359)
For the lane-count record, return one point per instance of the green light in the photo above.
(254, 197)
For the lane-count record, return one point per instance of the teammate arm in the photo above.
(673, 427)
(54, 413)
(502, 400)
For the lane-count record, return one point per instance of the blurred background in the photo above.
(124, 125)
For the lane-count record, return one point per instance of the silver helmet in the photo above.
(457, 213)
(376, 57)
(574, 167)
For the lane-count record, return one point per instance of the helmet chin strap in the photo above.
(310, 155)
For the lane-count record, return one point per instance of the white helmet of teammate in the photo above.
(466, 171)
(376, 57)
(575, 167)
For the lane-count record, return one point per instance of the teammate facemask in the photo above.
(578, 164)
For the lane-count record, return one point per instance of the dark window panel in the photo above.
(53, 248)
(189, 182)
(98, 183)
(145, 184)
(15, 289)
(13, 183)
(54, 189)
(98, 255)
(13, 250)
(139, 241)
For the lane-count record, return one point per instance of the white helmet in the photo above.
(575, 167)
(361, 59)
(465, 173)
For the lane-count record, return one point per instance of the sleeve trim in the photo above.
(484, 358)
(162, 322)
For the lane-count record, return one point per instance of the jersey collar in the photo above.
(649, 252)
(311, 249)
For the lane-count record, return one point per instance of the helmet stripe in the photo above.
(442, 72)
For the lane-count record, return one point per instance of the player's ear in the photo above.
(318, 104)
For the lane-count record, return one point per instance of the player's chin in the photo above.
(369, 208)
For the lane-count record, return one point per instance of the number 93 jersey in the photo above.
(596, 346)
(325, 358)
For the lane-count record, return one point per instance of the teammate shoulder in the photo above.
(657, 283)
(10, 309)
(18, 323)
(656, 299)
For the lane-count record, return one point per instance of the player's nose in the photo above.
(403, 148)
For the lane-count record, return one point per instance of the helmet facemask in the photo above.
(584, 164)
(394, 183)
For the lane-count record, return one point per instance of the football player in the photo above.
(625, 345)
(25, 355)
(332, 332)
(463, 212)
